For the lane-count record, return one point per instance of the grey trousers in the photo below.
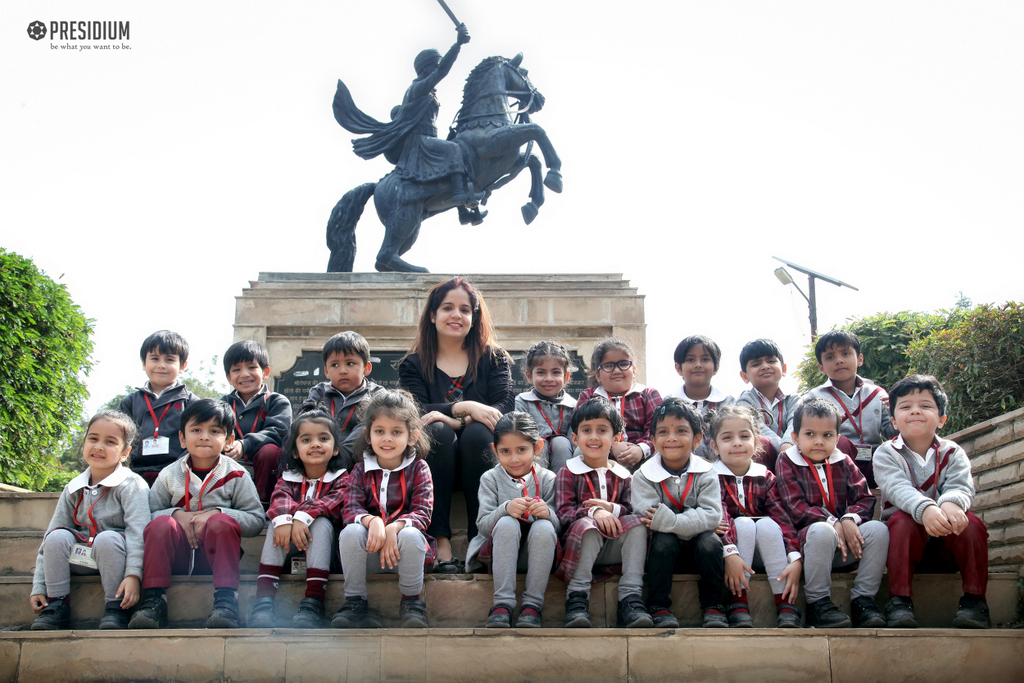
(557, 452)
(318, 554)
(821, 556)
(629, 549)
(356, 562)
(108, 549)
(760, 545)
(534, 556)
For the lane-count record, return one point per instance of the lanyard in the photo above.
(188, 496)
(350, 413)
(778, 425)
(93, 527)
(156, 421)
(593, 493)
(555, 432)
(536, 484)
(830, 495)
(735, 498)
(858, 427)
(255, 420)
(686, 491)
(305, 485)
(394, 515)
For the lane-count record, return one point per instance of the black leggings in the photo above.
(701, 555)
(462, 456)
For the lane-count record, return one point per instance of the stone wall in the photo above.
(996, 450)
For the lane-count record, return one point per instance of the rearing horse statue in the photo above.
(490, 135)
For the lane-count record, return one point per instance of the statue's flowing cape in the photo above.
(384, 138)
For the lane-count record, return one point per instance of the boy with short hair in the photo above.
(202, 506)
(697, 359)
(262, 417)
(156, 407)
(762, 366)
(347, 367)
(826, 502)
(592, 499)
(927, 491)
(863, 406)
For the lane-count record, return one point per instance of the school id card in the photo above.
(158, 445)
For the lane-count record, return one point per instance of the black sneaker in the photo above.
(662, 617)
(500, 616)
(577, 610)
(225, 610)
(151, 612)
(714, 617)
(824, 614)
(114, 618)
(633, 614)
(972, 613)
(866, 614)
(56, 616)
(262, 613)
(739, 615)
(789, 616)
(413, 613)
(899, 613)
(356, 613)
(529, 617)
(310, 614)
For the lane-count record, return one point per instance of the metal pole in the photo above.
(813, 305)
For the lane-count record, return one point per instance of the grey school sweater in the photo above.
(227, 487)
(124, 508)
(900, 472)
(702, 507)
(874, 424)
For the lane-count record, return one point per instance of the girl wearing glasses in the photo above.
(614, 376)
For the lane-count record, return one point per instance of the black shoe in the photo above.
(633, 614)
(56, 616)
(662, 617)
(824, 614)
(225, 610)
(529, 617)
(413, 613)
(356, 613)
(714, 617)
(789, 617)
(577, 610)
(452, 566)
(866, 614)
(500, 616)
(972, 613)
(739, 615)
(151, 612)
(310, 614)
(899, 613)
(114, 617)
(262, 613)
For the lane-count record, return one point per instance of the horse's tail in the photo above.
(341, 228)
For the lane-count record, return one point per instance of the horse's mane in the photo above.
(473, 82)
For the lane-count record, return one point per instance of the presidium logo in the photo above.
(80, 30)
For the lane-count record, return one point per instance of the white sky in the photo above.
(878, 142)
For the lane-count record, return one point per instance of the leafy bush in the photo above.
(44, 350)
(980, 361)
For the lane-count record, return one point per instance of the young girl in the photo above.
(388, 501)
(697, 359)
(751, 537)
(614, 371)
(305, 506)
(97, 527)
(547, 369)
(517, 497)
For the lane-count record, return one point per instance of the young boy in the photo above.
(262, 417)
(157, 406)
(762, 366)
(927, 492)
(679, 495)
(863, 406)
(825, 501)
(697, 359)
(347, 368)
(202, 506)
(592, 496)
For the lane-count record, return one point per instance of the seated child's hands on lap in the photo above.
(300, 535)
(608, 523)
(850, 539)
(957, 517)
(282, 536)
(736, 571)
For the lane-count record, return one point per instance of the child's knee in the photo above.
(108, 542)
(411, 538)
(506, 528)
(353, 536)
(875, 531)
(708, 543)
(822, 532)
(223, 524)
(975, 528)
(160, 528)
(268, 456)
(542, 528)
(59, 541)
(745, 525)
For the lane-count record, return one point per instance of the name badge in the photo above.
(864, 452)
(299, 564)
(160, 445)
(81, 555)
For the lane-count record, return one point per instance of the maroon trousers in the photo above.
(167, 551)
(266, 467)
(912, 549)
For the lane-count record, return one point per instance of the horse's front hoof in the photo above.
(553, 180)
(529, 212)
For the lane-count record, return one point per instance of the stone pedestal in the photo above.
(293, 314)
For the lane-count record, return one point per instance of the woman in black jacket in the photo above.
(462, 380)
